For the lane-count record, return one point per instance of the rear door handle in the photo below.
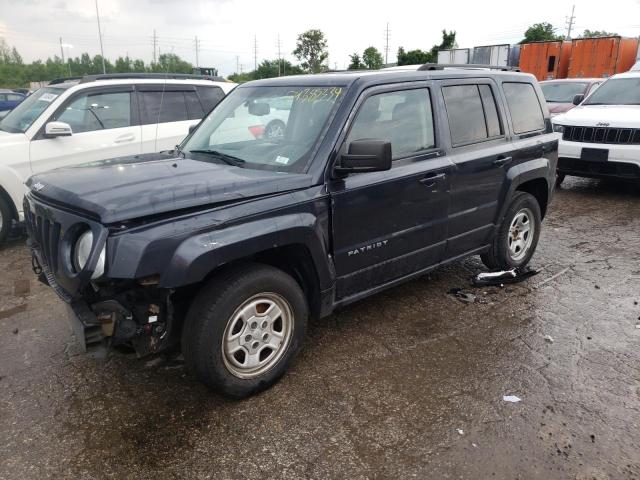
(430, 179)
(501, 160)
(127, 137)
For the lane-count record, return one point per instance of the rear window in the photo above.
(210, 97)
(526, 113)
(472, 112)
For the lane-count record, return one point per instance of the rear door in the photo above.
(481, 153)
(104, 123)
(387, 225)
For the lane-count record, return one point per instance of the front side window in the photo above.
(616, 91)
(526, 113)
(23, 116)
(98, 111)
(273, 128)
(403, 118)
(472, 112)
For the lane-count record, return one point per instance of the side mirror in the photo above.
(577, 100)
(365, 156)
(259, 109)
(192, 128)
(57, 129)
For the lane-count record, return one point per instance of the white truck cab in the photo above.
(96, 117)
(601, 136)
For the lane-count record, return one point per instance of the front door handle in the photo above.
(431, 179)
(127, 137)
(502, 160)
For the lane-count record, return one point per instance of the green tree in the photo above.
(419, 57)
(372, 58)
(171, 63)
(597, 33)
(540, 32)
(267, 69)
(356, 62)
(311, 50)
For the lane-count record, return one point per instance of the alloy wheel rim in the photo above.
(257, 335)
(520, 236)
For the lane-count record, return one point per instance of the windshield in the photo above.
(617, 91)
(23, 116)
(273, 128)
(562, 92)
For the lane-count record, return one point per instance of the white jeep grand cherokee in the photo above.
(601, 137)
(97, 117)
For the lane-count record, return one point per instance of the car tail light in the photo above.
(257, 131)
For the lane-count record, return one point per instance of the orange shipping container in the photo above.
(602, 57)
(546, 60)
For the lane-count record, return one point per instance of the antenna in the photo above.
(164, 86)
(104, 69)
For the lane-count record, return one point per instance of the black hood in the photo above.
(138, 186)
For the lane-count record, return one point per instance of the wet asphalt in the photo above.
(407, 384)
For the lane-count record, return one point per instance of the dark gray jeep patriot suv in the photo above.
(228, 244)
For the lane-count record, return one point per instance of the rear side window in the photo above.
(194, 107)
(210, 97)
(159, 107)
(472, 112)
(526, 113)
(403, 118)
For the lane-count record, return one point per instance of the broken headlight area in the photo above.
(124, 315)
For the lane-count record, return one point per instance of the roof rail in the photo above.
(471, 66)
(159, 76)
(57, 81)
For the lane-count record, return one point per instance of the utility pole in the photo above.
(279, 56)
(104, 68)
(570, 22)
(197, 48)
(155, 45)
(237, 64)
(255, 52)
(386, 44)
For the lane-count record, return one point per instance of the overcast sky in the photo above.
(226, 28)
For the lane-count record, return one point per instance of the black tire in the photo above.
(559, 179)
(217, 305)
(274, 129)
(500, 257)
(6, 219)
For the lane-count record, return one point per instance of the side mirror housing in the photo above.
(577, 99)
(57, 129)
(365, 156)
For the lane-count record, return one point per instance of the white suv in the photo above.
(601, 136)
(94, 118)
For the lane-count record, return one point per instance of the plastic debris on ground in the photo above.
(460, 431)
(511, 398)
(464, 297)
(514, 275)
(548, 338)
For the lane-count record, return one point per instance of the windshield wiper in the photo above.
(228, 159)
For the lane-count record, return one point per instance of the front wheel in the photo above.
(6, 220)
(518, 234)
(244, 328)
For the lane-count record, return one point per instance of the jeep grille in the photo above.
(618, 136)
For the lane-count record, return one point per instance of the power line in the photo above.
(570, 21)
(155, 45)
(197, 48)
(255, 52)
(279, 56)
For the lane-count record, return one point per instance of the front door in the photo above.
(104, 126)
(387, 225)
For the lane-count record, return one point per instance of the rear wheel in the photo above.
(244, 328)
(6, 219)
(518, 234)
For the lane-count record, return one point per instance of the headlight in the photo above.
(81, 253)
(558, 128)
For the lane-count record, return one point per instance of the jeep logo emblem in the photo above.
(602, 124)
